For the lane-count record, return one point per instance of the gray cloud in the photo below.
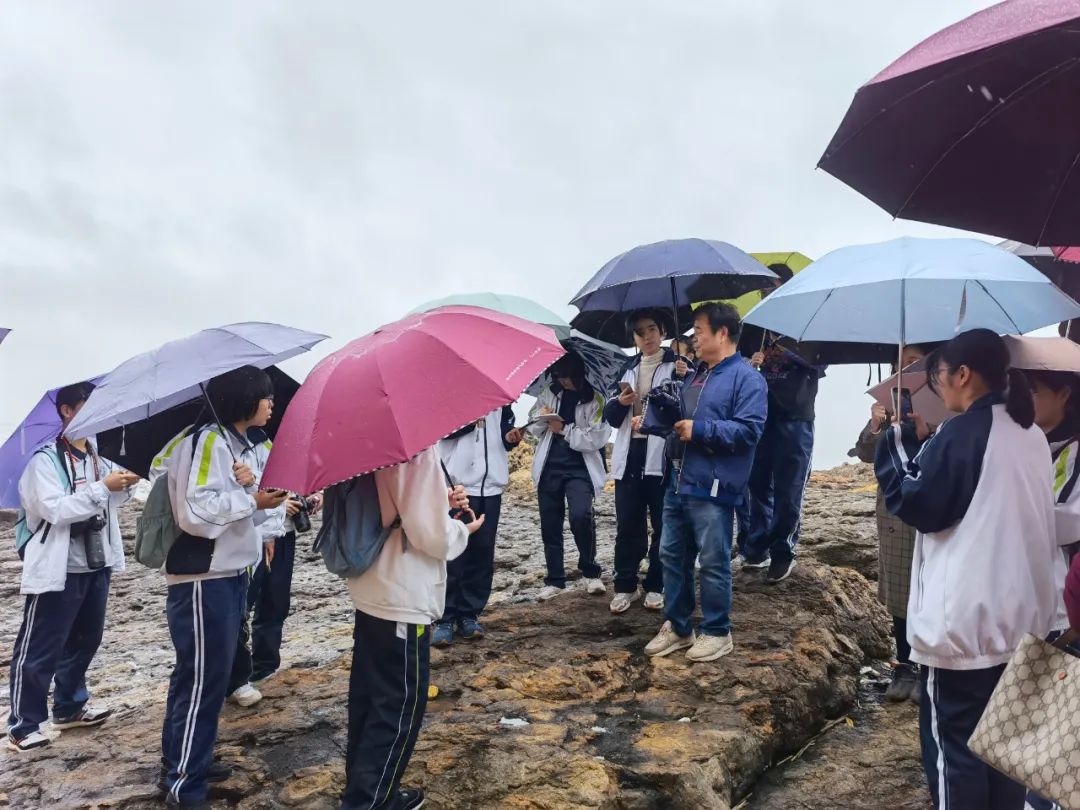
(329, 165)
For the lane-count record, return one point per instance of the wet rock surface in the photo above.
(591, 722)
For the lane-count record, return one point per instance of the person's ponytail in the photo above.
(1018, 401)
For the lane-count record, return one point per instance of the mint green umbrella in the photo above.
(510, 304)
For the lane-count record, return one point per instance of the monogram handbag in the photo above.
(1030, 730)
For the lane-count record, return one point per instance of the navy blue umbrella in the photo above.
(669, 275)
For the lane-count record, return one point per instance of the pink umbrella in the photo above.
(391, 394)
(1067, 254)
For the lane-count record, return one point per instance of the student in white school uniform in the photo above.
(70, 496)
(213, 490)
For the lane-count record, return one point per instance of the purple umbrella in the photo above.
(40, 427)
(176, 372)
(977, 127)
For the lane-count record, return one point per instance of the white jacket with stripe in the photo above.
(478, 459)
(620, 417)
(407, 582)
(987, 569)
(588, 435)
(1066, 490)
(274, 521)
(208, 502)
(47, 499)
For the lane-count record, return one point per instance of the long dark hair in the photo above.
(986, 354)
(1058, 381)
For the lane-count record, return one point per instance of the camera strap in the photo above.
(73, 462)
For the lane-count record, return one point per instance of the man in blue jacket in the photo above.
(724, 405)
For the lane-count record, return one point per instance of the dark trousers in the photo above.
(899, 631)
(204, 618)
(388, 690)
(953, 701)
(268, 599)
(60, 633)
(469, 576)
(639, 501)
(777, 483)
(554, 495)
(742, 520)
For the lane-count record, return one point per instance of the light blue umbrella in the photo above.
(913, 291)
(518, 305)
(176, 372)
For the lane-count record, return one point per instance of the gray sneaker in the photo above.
(668, 641)
(709, 648)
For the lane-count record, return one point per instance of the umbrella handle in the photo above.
(213, 412)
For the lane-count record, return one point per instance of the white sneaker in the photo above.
(654, 601)
(622, 601)
(246, 696)
(596, 586)
(35, 739)
(709, 648)
(549, 592)
(668, 641)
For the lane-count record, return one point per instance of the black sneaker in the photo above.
(410, 799)
(779, 570)
(86, 717)
(903, 681)
(218, 772)
(189, 804)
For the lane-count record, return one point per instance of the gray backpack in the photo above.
(352, 534)
(156, 529)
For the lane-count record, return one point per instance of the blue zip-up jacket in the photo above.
(728, 424)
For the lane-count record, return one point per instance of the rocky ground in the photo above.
(557, 708)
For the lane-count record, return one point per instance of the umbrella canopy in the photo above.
(603, 363)
(516, 305)
(976, 127)
(795, 262)
(1043, 353)
(1068, 254)
(173, 373)
(40, 427)
(389, 395)
(134, 446)
(4, 333)
(913, 291)
(667, 275)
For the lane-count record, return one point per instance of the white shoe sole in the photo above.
(785, 576)
(724, 651)
(11, 746)
(681, 644)
(660, 606)
(749, 566)
(245, 703)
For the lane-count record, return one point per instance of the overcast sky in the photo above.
(328, 165)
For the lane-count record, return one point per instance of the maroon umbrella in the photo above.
(977, 127)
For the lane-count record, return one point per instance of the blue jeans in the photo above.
(694, 526)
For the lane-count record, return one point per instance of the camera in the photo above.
(92, 534)
(302, 519)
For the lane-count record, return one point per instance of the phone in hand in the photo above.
(624, 386)
(902, 404)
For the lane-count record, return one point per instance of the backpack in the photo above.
(352, 534)
(23, 532)
(156, 528)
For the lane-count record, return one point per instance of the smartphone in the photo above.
(624, 387)
(902, 403)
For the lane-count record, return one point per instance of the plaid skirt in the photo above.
(896, 548)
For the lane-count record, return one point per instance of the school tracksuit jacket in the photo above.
(64, 609)
(987, 570)
(207, 599)
(477, 459)
(396, 599)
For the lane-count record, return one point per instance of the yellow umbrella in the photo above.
(795, 262)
